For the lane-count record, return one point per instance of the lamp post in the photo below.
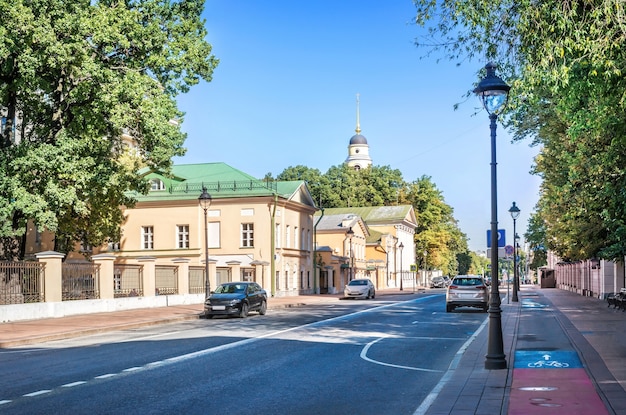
(401, 247)
(514, 211)
(205, 203)
(493, 93)
(350, 234)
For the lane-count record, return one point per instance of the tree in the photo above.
(79, 81)
(437, 233)
(564, 60)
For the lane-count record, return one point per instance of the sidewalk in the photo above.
(566, 355)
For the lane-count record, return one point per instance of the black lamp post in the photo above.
(350, 234)
(514, 211)
(205, 203)
(401, 247)
(493, 93)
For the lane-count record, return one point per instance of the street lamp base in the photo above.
(495, 362)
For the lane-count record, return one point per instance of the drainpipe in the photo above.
(316, 276)
(273, 248)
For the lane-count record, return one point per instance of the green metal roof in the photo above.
(221, 180)
(374, 214)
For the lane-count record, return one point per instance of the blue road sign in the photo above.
(501, 238)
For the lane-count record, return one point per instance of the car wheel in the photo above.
(449, 308)
(263, 308)
(486, 309)
(373, 294)
(208, 316)
(243, 313)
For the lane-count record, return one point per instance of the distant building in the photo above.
(358, 150)
(372, 248)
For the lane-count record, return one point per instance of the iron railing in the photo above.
(127, 280)
(80, 281)
(166, 279)
(197, 280)
(21, 282)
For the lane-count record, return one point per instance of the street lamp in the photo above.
(493, 93)
(350, 234)
(401, 247)
(514, 211)
(205, 203)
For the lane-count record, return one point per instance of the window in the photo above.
(157, 184)
(295, 237)
(287, 237)
(247, 235)
(277, 235)
(182, 236)
(147, 237)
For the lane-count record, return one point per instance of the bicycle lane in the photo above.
(548, 375)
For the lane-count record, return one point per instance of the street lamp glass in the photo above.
(492, 91)
(204, 199)
(514, 211)
(401, 246)
(350, 233)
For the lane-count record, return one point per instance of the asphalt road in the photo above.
(377, 356)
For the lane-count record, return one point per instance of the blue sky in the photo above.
(284, 94)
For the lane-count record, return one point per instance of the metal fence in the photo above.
(197, 280)
(21, 282)
(127, 280)
(166, 279)
(80, 281)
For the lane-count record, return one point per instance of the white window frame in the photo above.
(182, 236)
(247, 235)
(147, 237)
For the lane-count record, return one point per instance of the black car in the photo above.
(236, 298)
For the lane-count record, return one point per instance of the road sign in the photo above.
(508, 250)
(501, 238)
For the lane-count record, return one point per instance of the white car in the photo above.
(360, 288)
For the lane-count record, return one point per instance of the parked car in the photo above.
(437, 282)
(467, 291)
(360, 288)
(236, 298)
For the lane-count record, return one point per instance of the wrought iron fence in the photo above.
(21, 282)
(127, 280)
(197, 280)
(166, 279)
(80, 281)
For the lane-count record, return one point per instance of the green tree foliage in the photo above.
(438, 233)
(76, 77)
(565, 62)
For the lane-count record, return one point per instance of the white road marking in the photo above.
(213, 350)
(41, 392)
(426, 403)
(367, 347)
(71, 385)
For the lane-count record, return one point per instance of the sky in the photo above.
(284, 94)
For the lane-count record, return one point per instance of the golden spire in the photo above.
(358, 126)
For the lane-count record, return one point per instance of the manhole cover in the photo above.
(538, 388)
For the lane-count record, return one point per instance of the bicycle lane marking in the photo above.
(552, 382)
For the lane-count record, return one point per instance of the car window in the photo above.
(467, 281)
(358, 282)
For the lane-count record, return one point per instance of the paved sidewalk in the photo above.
(566, 355)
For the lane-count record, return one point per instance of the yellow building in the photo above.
(365, 242)
(256, 229)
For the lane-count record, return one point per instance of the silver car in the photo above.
(360, 288)
(467, 291)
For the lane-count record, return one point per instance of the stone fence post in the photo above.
(53, 272)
